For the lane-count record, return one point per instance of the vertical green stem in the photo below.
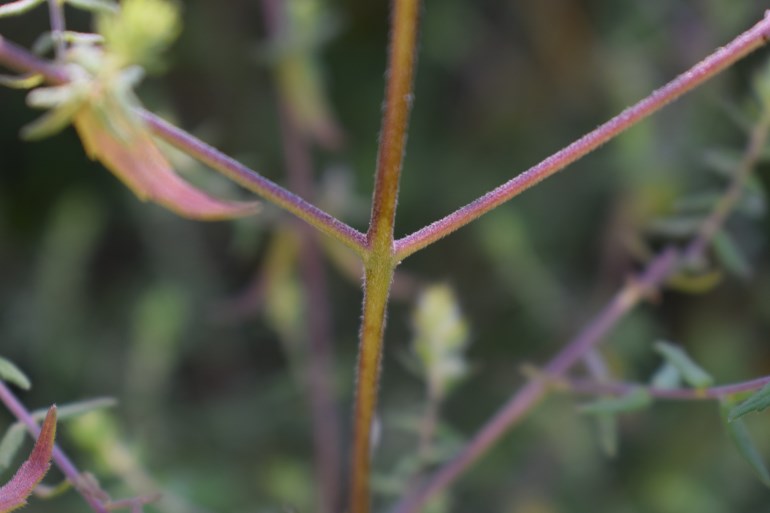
(379, 259)
(376, 290)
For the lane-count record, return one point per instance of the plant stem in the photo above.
(56, 14)
(704, 70)
(714, 222)
(319, 357)
(531, 393)
(398, 103)
(657, 271)
(255, 182)
(21, 60)
(376, 287)
(379, 263)
(62, 461)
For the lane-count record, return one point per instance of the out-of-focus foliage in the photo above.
(103, 295)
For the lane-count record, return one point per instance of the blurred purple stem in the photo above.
(657, 271)
(320, 354)
(60, 459)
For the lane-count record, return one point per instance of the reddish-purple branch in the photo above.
(255, 182)
(319, 355)
(661, 268)
(17, 58)
(529, 395)
(704, 70)
(62, 461)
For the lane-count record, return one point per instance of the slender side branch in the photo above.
(255, 182)
(657, 271)
(379, 263)
(535, 390)
(17, 58)
(56, 14)
(62, 461)
(319, 355)
(704, 70)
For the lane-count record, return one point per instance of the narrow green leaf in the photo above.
(50, 123)
(27, 81)
(691, 372)
(71, 410)
(49, 492)
(10, 445)
(98, 6)
(730, 255)
(637, 399)
(10, 373)
(666, 377)
(723, 162)
(19, 7)
(49, 97)
(694, 283)
(757, 402)
(741, 437)
(753, 202)
(607, 431)
(45, 42)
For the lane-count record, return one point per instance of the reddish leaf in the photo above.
(14, 493)
(136, 160)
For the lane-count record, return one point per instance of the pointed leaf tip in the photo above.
(136, 160)
(14, 493)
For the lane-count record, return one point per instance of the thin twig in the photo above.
(534, 390)
(23, 61)
(59, 457)
(660, 269)
(319, 357)
(712, 65)
(56, 14)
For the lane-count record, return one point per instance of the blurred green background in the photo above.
(104, 296)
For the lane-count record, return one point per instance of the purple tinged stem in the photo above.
(59, 457)
(21, 60)
(56, 14)
(320, 356)
(704, 70)
(256, 183)
(535, 390)
(657, 271)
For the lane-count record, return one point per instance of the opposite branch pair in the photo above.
(381, 253)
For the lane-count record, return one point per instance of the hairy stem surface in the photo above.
(656, 273)
(704, 70)
(379, 263)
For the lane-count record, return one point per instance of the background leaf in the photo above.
(690, 371)
(12, 374)
(757, 402)
(741, 437)
(635, 400)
